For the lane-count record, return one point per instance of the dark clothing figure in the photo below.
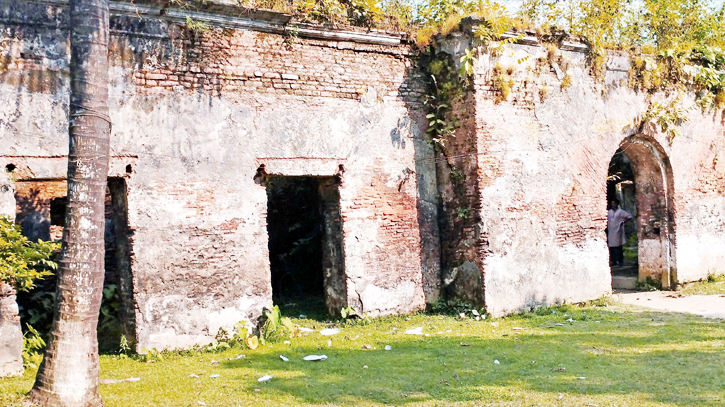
(616, 256)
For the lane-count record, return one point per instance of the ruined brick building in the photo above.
(215, 130)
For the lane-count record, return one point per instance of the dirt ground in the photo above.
(709, 306)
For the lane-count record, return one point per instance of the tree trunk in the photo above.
(69, 373)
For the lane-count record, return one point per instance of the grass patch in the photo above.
(714, 285)
(561, 356)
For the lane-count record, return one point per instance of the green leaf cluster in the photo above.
(275, 327)
(667, 116)
(23, 262)
(33, 345)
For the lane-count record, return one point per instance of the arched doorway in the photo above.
(640, 178)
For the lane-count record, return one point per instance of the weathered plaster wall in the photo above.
(195, 115)
(11, 336)
(542, 158)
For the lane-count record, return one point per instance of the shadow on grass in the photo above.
(646, 357)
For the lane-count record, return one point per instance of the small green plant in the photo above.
(649, 284)
(463, 213)
(151, 355)
(124, 346)
(241, 332)
(566, 81)
(597, 59)
(467, 64)
(544, 92)
(217, 346)
(457, 175)
(502, 82)
(275, 327)
(716, 278)
(455, 307)
(196, 26)
(348, 312)
(33, 346)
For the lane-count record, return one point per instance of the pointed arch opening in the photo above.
(640, 181)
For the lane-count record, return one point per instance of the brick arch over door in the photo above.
(654, 192)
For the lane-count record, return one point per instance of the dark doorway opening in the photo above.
(621, 187)
(117, 316)
(305, 243)
(41, 212)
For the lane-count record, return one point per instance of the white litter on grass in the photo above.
(314, 358)
(329, 331)
(287, 342)
(581, 378)
(214, 376)
(284, 358)
(329, 343)
(307, 330)
(264, 378)
(201, 403)
(240, 356)
(388, 347)
(194, 376)
(496, 362)
(494, 324)
(415, 331)
(474, 312)
(569, 320)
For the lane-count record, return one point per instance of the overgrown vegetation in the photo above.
(33, 346)
(677, 45)
(667, 117)
(570, 355)
(648, 284)
(23, 262)
(714, 285)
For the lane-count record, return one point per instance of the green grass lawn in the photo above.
(713, 285)
(564, 356)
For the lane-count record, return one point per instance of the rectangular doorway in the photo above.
(304, 225)
(40, 211)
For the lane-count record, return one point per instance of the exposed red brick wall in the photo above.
(35, 196)
(223, 60)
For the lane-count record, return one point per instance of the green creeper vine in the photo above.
(668, 117)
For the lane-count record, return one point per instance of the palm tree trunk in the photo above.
(69, 373)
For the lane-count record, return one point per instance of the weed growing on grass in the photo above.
(714, 285)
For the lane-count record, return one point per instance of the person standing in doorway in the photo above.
(615, 232)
